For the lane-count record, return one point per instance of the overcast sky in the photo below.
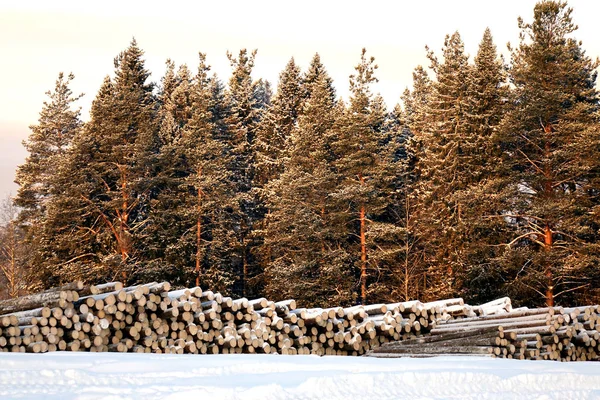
(39, 39)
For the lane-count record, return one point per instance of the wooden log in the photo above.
(454, 350)
(285, 304)
(258, 304)
(507, 324)
(185, 294)
(375, 309)
(106, 287)
(34, 301)
(514, 314)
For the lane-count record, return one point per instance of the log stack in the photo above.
(563, 334)
(153, 318)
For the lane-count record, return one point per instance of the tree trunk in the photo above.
(44, 299)
(548, 238)
(198, 236)
(363, 257)
(548, 242)
(124, 240)
(244, 269)
(363, 249)
(406, 247)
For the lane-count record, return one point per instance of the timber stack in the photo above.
(153, 318)
(553, 333)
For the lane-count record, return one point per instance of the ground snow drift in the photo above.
(144, 376)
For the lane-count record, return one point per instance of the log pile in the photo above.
(556, 333)
(153, 318)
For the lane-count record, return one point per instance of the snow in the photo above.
(143, 376)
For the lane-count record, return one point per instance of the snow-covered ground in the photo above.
(154, 376)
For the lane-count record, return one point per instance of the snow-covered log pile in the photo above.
(556, 333)
(154, 318)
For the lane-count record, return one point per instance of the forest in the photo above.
(483, 182)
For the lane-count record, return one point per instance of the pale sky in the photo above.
(39, 39)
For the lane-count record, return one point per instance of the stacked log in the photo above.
(536, 334)
(153, 318)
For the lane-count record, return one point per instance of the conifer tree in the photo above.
(315, 71)
(47, 145)
(209, 183)
(550, 143)
(305, 245)
(168, 255)
(477, 232)
(439, 168)
(416, 102)
(241, 123)
(270, 147)
(362, 190)
(412, 124)
(108, 180)
(13, 273)
(275, 129)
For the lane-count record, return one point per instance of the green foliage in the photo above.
(484, 184)
(549, 175)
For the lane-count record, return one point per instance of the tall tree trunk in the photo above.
(268, 250)
(9, 270)
(124, 241)
(548, 242)
(198, 235)
(363, 249)
(363, 256)
(548, 238)
(407, 246)
(244, 269)
(322, 229)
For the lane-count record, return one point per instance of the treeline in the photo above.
(484, 183)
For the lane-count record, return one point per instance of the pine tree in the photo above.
(549, 141)
(47, 145)
(108, 181)
(362, 192)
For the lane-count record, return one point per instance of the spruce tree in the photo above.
(304, 244)
(315, 71)
(47, 144)
(209, 184)
(167, 254)
(550, 143)
(272, 141)
(412, 123)
(477, 231)
(275, 128)
(240, 130)
(439, 168)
